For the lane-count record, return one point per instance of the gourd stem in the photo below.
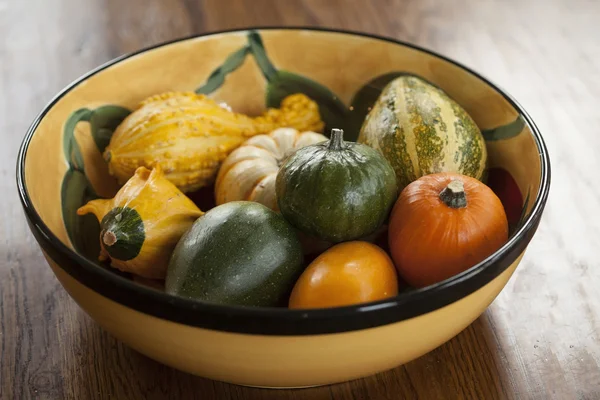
(337, 139)
(109, 238)
(454, 195)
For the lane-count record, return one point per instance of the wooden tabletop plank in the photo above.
(538, 340)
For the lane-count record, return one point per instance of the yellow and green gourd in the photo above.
(420, 130)
(141, 225)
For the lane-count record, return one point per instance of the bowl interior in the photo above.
(63, 166)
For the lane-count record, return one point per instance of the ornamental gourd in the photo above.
(442, 224)
(141, 225)
(347, 274)
(189, 135)
(420, 130)
(238, 253)
(249, 172)
(336, 190)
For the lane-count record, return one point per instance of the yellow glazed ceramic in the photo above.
(60, 168)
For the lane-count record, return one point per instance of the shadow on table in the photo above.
(465, 367)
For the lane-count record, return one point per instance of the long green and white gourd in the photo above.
(420, 130)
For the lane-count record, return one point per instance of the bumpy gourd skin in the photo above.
(420, 130)
(336, 190)
(189, 135)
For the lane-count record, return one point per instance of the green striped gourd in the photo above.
(421, 130)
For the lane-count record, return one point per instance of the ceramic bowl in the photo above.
(60, 168)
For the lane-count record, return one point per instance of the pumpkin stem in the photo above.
(109, 238)
(454, 195)
(337, 139)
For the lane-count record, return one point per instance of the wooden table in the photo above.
(538, 340)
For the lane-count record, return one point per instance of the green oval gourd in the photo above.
(238, 253)
(420, 130)
(336, 190)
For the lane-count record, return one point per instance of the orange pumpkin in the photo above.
(348, 273)
(443, 224)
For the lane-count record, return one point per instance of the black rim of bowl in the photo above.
(282, 321)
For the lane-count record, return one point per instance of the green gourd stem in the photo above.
(454, 195)
(337, 140)
(260, 55)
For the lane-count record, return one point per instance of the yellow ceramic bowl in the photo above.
(60, 167)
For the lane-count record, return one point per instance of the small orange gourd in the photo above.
(442, 224)
(346, 274)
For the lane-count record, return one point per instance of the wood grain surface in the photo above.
(538, 340)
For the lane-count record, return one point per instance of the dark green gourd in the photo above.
(239, 253)
(336, 190)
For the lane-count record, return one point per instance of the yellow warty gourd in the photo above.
(189, 135)
(141, 225)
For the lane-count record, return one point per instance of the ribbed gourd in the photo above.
(443, 224)
(141, 225)
(249, 172)
(188, 135)
(336, 191)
